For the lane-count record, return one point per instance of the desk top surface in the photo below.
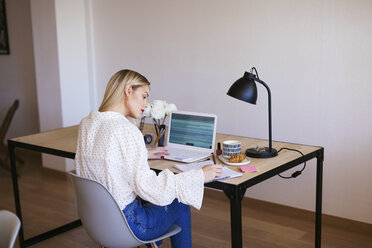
(65, 139)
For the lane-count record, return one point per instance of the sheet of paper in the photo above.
(226, 172)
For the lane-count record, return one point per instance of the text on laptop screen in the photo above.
(192, 130)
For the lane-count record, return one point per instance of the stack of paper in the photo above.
(226, 172)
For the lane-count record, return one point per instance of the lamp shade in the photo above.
(244, 89)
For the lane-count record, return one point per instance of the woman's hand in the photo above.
(157, 153)
(212, 171)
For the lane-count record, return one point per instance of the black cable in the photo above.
(296, 173)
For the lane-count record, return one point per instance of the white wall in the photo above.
(17, 74)
(61, 59)
(314, 55)
(46, 64)
(73, 60)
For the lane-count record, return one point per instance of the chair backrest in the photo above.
(8, 118)
(9, 227)
(100, 214)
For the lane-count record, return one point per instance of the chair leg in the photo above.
(101, 246)
(5, 164)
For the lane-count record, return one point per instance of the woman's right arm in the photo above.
(211, 171)
(161, 189)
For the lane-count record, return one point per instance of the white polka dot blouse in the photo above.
(112, 151)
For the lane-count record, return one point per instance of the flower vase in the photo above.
(160, 129)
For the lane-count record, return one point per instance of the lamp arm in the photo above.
(269, 103)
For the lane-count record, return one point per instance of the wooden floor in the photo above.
(47, 202)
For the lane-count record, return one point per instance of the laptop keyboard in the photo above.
(185, 154)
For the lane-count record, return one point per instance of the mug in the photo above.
(231, 147)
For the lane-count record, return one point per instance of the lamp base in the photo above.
(261, 152)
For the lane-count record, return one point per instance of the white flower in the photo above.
(159, 102)
(147, 111)
(157, 111)
(170, 107)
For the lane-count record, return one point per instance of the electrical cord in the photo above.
(296, 173)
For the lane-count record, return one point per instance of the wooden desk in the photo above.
(62, 142)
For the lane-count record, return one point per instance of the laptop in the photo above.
(191, 136)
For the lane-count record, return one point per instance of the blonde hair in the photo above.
(115, 88)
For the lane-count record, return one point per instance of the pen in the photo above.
(214, 160)
(221, 178)
(159, 136)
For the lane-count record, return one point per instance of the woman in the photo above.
(111, 150)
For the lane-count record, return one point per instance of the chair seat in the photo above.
(103, 219)
(174, 229)
(9, 227)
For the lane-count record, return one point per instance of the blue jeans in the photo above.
(148, 221)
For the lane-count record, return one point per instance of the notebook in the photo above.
(226, 172)
(191, 136)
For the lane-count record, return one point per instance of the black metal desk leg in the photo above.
(15, 190)
(236, 195)
(318, 204)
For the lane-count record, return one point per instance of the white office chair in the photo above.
(9, 227)
(103, 219)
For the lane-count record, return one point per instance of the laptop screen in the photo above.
(192, 130)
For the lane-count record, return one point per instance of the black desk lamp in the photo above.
(245, 89)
